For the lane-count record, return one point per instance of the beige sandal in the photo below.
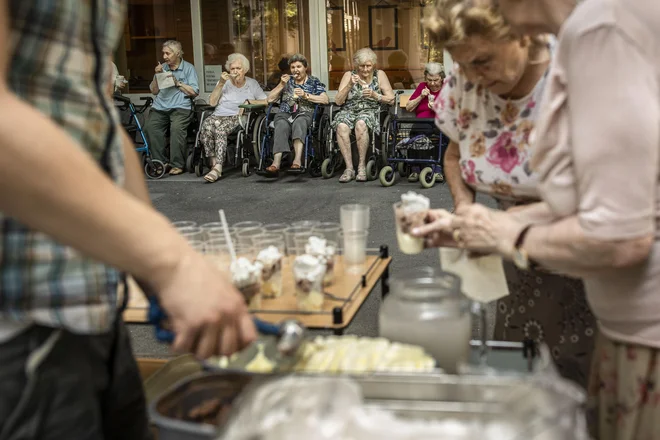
(347, 176)
(214, 174)
(361, 175)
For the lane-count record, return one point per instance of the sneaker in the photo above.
(413, 177)
(176, 171)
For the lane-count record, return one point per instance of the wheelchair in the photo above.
(153, 168)
(264, 132)
(238, 140)
(333, 160)
(404, 134)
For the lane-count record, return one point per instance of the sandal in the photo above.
(175, 171)
(214, 174)
(347, 176)
(272, 171)
(295, 166)
(361, 175)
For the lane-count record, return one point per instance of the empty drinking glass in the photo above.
(247, 225)
(278, 228)
(354, 245)
(289, 235)
(184, 224)
(328, 230)
(246, 237)
(354, 217)
(192, 233)
(306, 223)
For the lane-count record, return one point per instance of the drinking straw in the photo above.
(225, 228)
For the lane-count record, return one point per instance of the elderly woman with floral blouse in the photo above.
(597, 152)
(488, 108)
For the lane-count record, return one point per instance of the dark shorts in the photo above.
(56, 385)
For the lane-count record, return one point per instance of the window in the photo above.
(392, 28)
(265, 31)
(149, 24)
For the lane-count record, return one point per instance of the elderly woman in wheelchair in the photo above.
(233, 89)
(299, 94)
(361, 93)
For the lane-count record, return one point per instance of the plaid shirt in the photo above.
(60, 65)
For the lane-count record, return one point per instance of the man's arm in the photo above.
(77, 204)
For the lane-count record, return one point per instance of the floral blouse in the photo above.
(492, 134)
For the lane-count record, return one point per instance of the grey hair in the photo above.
(363, 55)
(231, 59)
(433, 69)
(298, 58)
(175, 46)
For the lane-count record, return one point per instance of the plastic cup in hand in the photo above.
(184, 224)
(328, 230)
(354, 244)
(354, 217)
(246, 237)
(246, 225)
(405, 222)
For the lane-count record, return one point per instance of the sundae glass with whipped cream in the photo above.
(270, 259)
(246, 276)
(308, 273)
(410, 213)
(323, 250)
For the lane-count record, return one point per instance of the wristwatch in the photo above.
(520, 257)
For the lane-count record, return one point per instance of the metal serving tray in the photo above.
(540, 409)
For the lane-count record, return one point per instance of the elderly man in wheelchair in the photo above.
(299, 94)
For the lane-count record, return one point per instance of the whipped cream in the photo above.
(412, 202)
(269, 256)
(308, 267)
(245, 273)
(318, 247)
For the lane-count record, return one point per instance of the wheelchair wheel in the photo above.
(245, 171)
(372, 169)
(315, 167)
(387, 176)
(327, 168)
(403, 169)
(386, 138)
(189, 162)
(258, 133)
(154, 169)
(427, 177)
(199, 168)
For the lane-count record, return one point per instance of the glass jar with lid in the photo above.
(425, 307)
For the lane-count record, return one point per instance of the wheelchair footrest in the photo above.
(296, 171)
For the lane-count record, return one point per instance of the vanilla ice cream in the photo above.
(246, 276)
(271, 273)
(321, 249)
(308, 273)
(409, 214)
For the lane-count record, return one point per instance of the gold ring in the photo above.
(456, 235)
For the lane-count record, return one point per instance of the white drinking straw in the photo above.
(225, 228)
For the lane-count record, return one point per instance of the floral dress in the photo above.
(357, 107)
(493, 137)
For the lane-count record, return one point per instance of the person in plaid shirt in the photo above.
(71, 224)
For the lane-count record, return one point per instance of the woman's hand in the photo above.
(159, 68)
(426, 91)
(225, 76)
(437, 230)
(483, 230)
(285, 79)
(299, 92)
(355, 79)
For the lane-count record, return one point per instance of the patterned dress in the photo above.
(357, 107)
(493, 137)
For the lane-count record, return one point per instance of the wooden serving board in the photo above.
(347, 285)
